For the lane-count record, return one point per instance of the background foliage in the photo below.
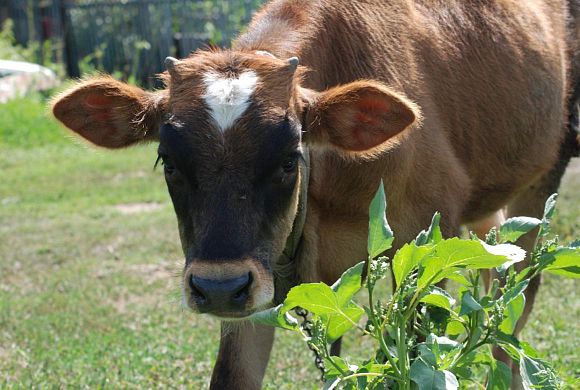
(129, 39)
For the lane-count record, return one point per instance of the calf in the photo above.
(459, 106)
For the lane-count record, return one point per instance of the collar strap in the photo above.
(285, 275)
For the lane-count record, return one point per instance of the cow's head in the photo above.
(232, 129)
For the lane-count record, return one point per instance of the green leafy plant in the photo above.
(423, 337)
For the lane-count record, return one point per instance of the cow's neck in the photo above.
(285, 269)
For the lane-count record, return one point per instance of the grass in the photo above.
(89, 290)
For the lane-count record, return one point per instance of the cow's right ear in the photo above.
(110, 113)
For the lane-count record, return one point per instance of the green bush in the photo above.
(424, 338)
(9, 50)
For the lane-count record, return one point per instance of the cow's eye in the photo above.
(289, 165)
(168, 168)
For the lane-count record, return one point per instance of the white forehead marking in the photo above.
(229, 98)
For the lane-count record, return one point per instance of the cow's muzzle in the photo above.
(224, 294)
(228, 289)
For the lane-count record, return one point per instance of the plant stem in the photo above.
(376, 374)
(379, 329)
(402, 348)
(385, 350)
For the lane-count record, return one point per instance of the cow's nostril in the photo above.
(241, 296)
(197, 294)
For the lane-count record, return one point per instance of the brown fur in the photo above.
(492, 79)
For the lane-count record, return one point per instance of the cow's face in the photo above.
(231, 129)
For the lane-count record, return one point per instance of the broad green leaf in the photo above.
(469, 304)
(427, 378)
(331, 383)
(515, 291)
(380, 234)
(456, 253)
(463, 373)
(322, 301)
(514, 228)
(362, 381)
(569, 272)
(454, 328)
(499, 377)
(451, 382)
(275, 317)
(349, 284)
(550, 206)
(330, 369)
(512, 314)
(459, 278)
(438, 297)
(428, 355)
(477, 357)
(511, 350)
(433, 234)
(317, 298)
(549, 209)
(407, 258)
(467, 253)
(445, 344)
(514, 253)
(536, 374)
(432, 270)
(377, 368)
(339, 324)
(562, 261)
(528, 350)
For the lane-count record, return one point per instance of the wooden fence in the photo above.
(127, 37)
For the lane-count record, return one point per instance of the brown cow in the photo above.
(458, 105)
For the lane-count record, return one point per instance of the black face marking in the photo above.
(281, 142)
(229, 192)
(173, 146)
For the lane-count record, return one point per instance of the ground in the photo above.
(90, 263)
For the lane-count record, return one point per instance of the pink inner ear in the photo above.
(101, 116)
(371, 110)
(368, 129)
(364, 137)
(98, 101)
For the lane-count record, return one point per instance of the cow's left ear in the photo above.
(110, 113)
(357, 117)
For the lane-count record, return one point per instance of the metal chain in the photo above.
(307, 328)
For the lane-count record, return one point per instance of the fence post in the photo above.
(69, 52)
(18, 14)
(38, 31)
(56, 36)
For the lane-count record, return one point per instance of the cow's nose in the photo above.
(220, 294)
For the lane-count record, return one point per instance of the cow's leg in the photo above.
(243, 356)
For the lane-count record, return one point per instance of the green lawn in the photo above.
(89, 267)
